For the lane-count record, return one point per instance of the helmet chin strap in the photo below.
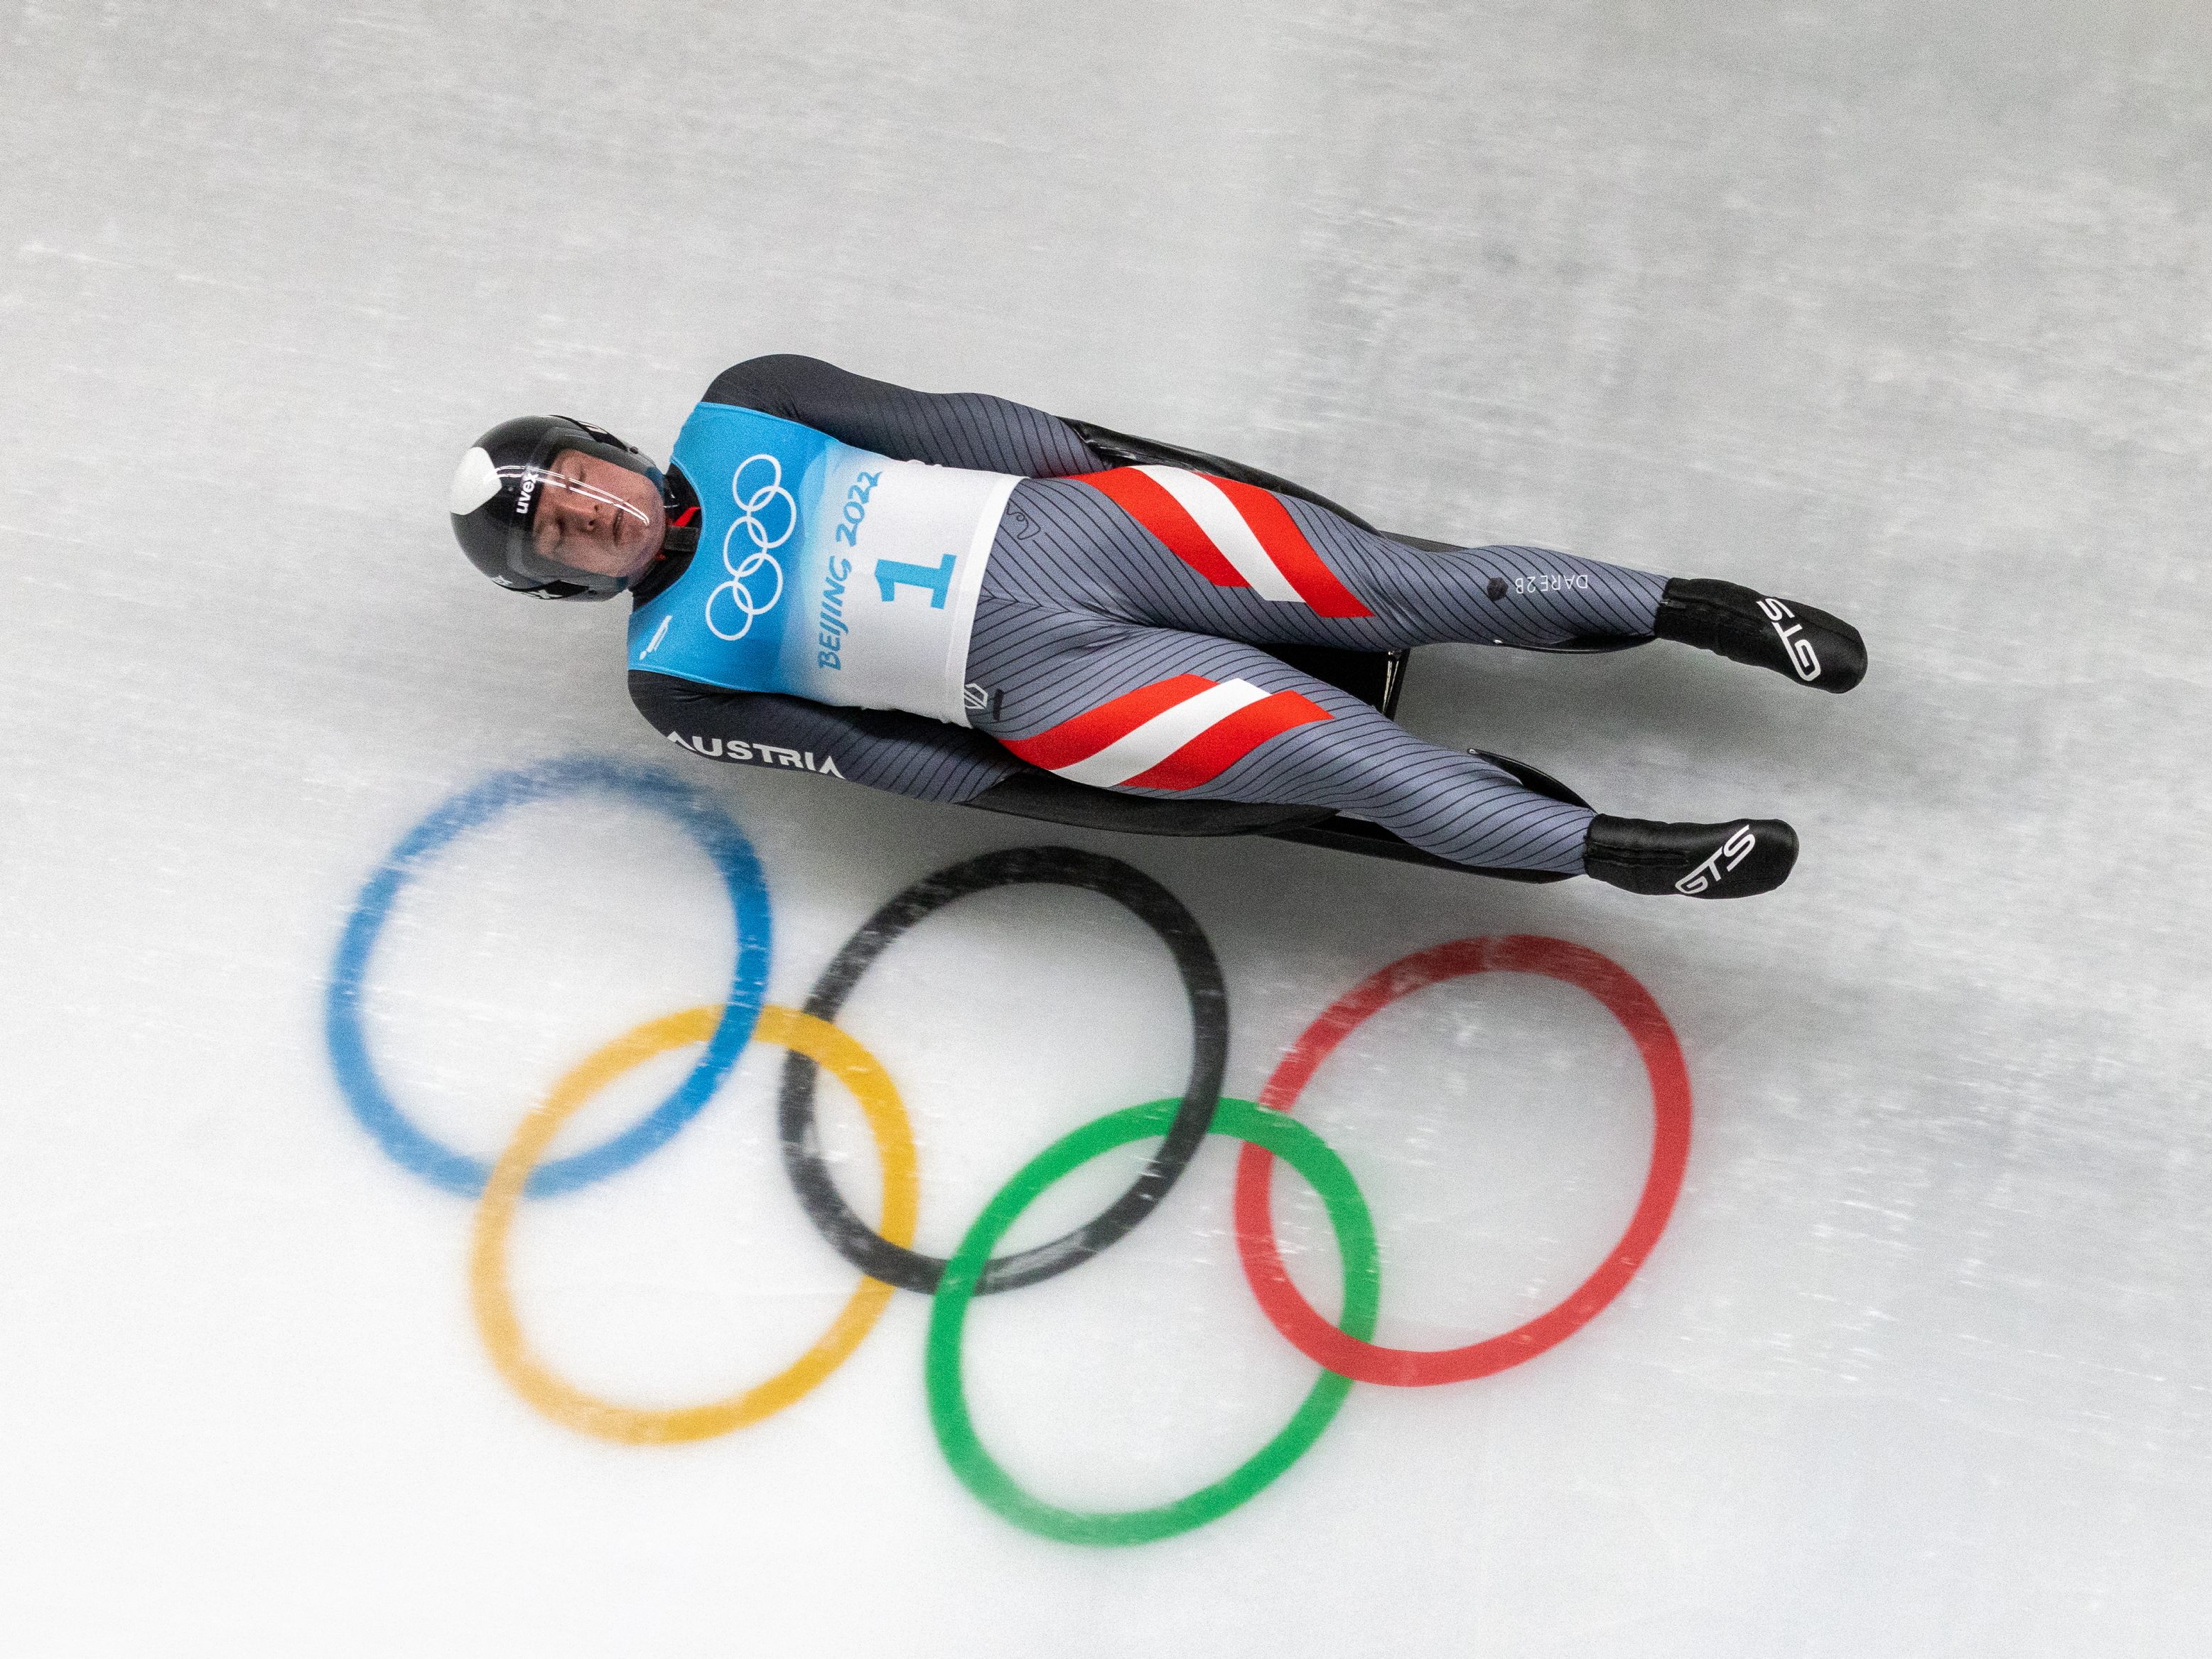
(675, 538)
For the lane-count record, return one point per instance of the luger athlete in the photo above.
(933, 594)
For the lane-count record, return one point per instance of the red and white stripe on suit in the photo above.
(1173, 734)
(1235, 535)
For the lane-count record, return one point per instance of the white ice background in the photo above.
(1902, 310)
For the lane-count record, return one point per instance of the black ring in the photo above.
(1143, 897)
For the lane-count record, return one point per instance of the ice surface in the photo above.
(1901, 310)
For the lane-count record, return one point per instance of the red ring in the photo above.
(1416, 1368)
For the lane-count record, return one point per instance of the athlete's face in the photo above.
(593, 515)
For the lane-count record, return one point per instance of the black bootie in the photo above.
(1698, 861)
(1809, 646)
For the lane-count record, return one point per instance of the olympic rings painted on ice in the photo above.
(562, 1401)
(948, 1404)
(1136, 892)
(1349, 1353)
(698, 815)
(1344, 1350)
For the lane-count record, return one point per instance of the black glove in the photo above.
(1698, 861)
(1809, 646)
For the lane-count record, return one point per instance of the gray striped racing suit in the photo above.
(1121, 637)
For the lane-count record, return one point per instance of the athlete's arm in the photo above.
(907, 754)
(949, 428)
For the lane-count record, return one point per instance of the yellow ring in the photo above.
(561, 1400)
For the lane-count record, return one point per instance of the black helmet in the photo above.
(497, 489)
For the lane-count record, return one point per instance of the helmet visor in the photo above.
(583, 517)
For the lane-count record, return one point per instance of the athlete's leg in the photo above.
(1120, 705)
(1121, 544)
(1180, 550)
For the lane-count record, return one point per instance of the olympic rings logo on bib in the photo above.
(768, 515)
(1344, 1350)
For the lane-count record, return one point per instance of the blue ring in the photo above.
(706, 824)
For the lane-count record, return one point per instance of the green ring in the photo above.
(1286, 1138)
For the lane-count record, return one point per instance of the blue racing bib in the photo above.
(823, 571)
